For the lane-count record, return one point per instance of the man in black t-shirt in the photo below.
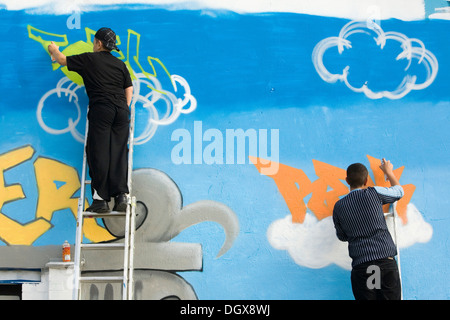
(110, 90)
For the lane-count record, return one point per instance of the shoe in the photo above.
(120, 203)
(99, 206)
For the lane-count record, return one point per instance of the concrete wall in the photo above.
(248, 114)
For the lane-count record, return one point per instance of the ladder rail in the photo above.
(393, 214)
(131, 212)
(393, 211)
(131, 254)
(79, 229)
(126, 253)
(131, 149)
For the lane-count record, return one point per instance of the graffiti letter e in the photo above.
(373, 281)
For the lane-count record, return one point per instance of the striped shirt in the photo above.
(359, 219)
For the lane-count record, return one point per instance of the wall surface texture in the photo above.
(247, 115)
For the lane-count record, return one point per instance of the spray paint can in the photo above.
(66, 251)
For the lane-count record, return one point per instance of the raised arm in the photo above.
(387, 168)
(57, 55)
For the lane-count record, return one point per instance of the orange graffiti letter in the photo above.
(293, 185)
(322, 201)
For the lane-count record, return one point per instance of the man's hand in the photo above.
(387, 167)
(56, 54)
(52, 47)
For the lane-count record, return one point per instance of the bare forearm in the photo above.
(60, 58)
(392, 179)
(129, 94)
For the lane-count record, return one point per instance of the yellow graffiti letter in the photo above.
(12, 232)
(53, 198)
(7, 161)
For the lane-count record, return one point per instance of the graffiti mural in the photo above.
(56, 183)
(147, 93)
(309, 235)
(247, 116)
(161, 216)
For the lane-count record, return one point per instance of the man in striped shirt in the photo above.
(359, 219)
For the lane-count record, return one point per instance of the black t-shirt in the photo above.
(105, 77)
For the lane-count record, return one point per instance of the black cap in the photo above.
(108, 37)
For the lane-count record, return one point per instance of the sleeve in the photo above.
(76, 62)
(390, 195)
(127, 83)
(339, 232)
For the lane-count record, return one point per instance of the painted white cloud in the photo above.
(311, 244)
(415, 231)
(349, 9)
(314, 244)
(414, 51)
(143, 98)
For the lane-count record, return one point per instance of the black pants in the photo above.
(376, 280)
(107, 149)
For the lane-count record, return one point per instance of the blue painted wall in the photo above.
(254, 71)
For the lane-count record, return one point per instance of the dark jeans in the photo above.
(376, 280)
(107, 149)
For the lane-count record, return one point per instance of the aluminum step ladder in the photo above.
(127, 246)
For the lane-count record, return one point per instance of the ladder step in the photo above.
(88, 214)
(101, 279)
(97, 246)
(87, 181)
